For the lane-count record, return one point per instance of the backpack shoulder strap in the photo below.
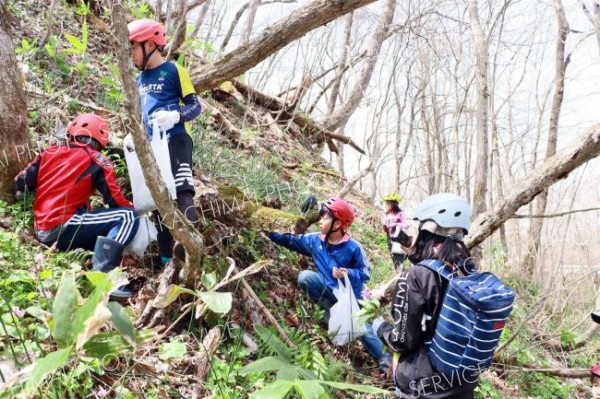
(438, 267)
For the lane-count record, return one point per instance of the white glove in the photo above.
(377, 322)
(166, 119)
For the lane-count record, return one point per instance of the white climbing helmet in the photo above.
(446, 210)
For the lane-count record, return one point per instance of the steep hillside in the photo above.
(263, 161)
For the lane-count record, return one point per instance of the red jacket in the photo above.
(65, 177)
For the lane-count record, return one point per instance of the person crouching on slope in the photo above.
(442, 220)
(335, 254)
(169, 99)
(64, 177)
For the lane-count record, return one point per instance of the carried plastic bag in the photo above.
(146, 234)
(343, 322)
(142, 199)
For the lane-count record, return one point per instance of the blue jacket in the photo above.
(347, 254)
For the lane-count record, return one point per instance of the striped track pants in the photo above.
(81, 231)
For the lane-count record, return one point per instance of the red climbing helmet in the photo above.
(89, 126)
(143, 30)
(340, 210)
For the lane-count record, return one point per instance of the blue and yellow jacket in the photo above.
(168, 87)
(347, 254)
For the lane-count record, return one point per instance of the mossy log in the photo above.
(233, 207)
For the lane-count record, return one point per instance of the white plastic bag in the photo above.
(343, 322)
(396, 248)
(142, 199)
(146, 234)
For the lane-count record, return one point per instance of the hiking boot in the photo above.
(121, 294)
(107, 255)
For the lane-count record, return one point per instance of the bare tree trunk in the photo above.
(252, 7)
(180, 30)
(398, 152)
(341, 66)
(179, 226)
(201, 19)
(341, 116)
(481, 70)
(51, 21)
(430, 154)
(594, 19)
(335, 88)
(545, 175)
(14, 139)
(279, 35)
(561, 63)
(358, 177)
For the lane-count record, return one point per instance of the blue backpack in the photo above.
(473, 314)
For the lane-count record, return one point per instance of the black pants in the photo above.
(397, 259)
(180, 150)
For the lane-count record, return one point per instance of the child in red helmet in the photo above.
(169, 99)
(64, 177)
(335, 254)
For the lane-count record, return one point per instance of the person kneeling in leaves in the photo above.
(335, 255)
(64, 177)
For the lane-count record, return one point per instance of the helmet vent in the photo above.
(84, 125)
(457, 214)
(441, 211)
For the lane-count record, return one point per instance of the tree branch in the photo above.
(552, 215)
(551, 171)
(273, 39)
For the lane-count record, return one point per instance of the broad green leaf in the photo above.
(171, 350)
(354, 387)
(164, 299)
(275, 390)
(289, 373)
(78, 47)
(64, 308)
(209, 280)
(310, 389)
(307, 374)
(97, 278)
(122, 322)
(46, 365)
(109, 344)
(272, 341)
(84, 34)
(269, 363)
(218, 302)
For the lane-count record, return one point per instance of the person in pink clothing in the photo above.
(394, 220)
